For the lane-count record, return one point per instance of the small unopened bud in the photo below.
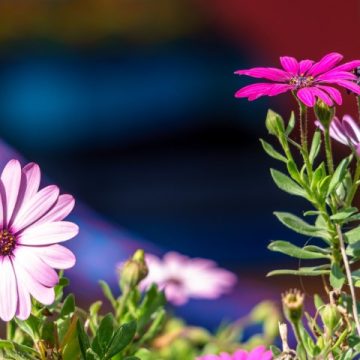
(274, 123)
(324, 113)
(133, 270)
(293, 303)
(331, 317)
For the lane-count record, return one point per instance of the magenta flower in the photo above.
(182, 277)
(346, 131)
(308, 80)
(30, 227)
(258, 353)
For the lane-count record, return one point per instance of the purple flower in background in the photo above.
(30, 227)
(259, 353)
(308, 80)
(183, 278)
(346, 131)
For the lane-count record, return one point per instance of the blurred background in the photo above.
(129, 105)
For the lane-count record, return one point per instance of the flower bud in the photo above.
(331, 317)
(133, 270)
(293, 303)
(274, 123)
(324, 113)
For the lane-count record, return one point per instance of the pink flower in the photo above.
(346, 131)
(307, 79)
(30, 227)
(183, 278)
(258, 353)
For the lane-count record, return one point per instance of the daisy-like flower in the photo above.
(308, 80)
(259, 353)
(346, 131)
(183, 278)
(31, 226)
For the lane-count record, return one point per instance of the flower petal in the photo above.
(56, 256)
(255, 91)
(336, 75)
(273, 74)
(351, 128)
(48, 233)
(304, 66)
(290, 64)
(35, 207)
(24, 303)
(323, 96)
(334, 93)
(60, 211)
(348, 66)
(325, 64)
(307, 96)
(347, 85)
(11, 178)
(32, 263)
(337, 131)
(8, 293)
(33, 177)
(43, 294)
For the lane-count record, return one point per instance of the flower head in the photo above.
(307, 79)
(182, 277)
(31, 226)
(345, 131)
(259, 353)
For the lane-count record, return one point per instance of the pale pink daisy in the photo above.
(308, 80)
(346, 131)
(183, 278)
(30, 227)
(259, 353)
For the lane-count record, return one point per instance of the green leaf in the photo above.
(337, 277)
(318, 302)
(300, 272)
(344, 214)
(122, 338)
(291, 124)
(323, 185)
(275, 350)
(293, 170)
(353, 249)
(315, 146)
(30, 326)
(105, 332)
(92, 355)
(68, 305)
(353, 235)
(274, 123)
(108, 293)
(286, 184)
(295, 251)
(272, 152)
(300, 226)
(338, 175)
(83, 339)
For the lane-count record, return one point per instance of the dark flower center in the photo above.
(7, 242)
(301, 81)
(174, 281)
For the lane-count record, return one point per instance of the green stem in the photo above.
(328, 151)
(297, 333)
(349, 278)
(122, 303)
(355, 185)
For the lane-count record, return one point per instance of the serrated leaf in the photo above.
(300, 226)
(294, 251)
(315, 146)
(272, 152)
(338, 175)
(122, 337)
(286, 184)
(337, 277)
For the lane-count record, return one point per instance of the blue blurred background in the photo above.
(129, 105)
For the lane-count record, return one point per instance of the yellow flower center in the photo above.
(301, 81)
(7, 242)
